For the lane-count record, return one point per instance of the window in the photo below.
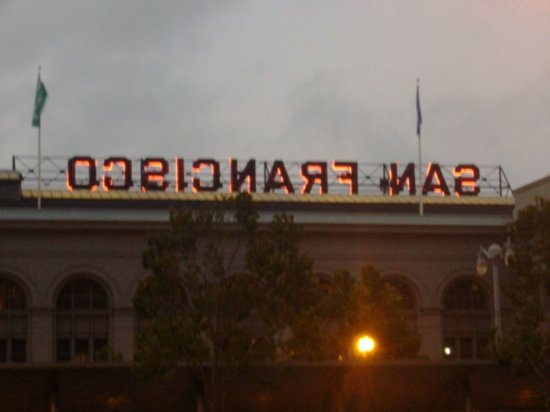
(82, 322)
(466, 321)
(13, 322)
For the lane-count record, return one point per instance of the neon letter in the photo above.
(320, 176)
(214, 170)
(153, 171)
(238, 178)
(440, 186)
(125, 166)
(180, 175)
(284, 182)
(466, 185)
(85, 162)
(349, 176)
(397, 182)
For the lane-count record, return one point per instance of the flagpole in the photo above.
(39, 201)
(39, 101)
(419, 133)
(420, 177)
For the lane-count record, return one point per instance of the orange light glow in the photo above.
(180, 175)
(365, 345)
(107, 180)
(214, 171)
(76, 163)
(205, 175)
(397, 183)
(196, 181)
(433, 173)
(278, 178)
(348, 175)
(126, 167)
(153, 172)
(314, 173)
(237, 178)
(466, 177)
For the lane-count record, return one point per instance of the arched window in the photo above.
(82, 322)
(13, 322)
(466, 320)
(408, 300)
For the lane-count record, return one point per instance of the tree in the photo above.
(527, 344)
(222, 293)
(225, 292)
(366, 306)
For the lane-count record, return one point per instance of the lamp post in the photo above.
(364, 346)
(493, 254)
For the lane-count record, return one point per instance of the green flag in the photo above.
(39, 101)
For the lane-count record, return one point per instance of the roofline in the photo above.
(29, 194)
(151, 220)
(531, 185)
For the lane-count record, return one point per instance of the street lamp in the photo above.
(493, 254)
(365, 345)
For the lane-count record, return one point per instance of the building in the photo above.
(68, 270)
(528, 194)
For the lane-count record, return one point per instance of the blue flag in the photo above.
(418, 111)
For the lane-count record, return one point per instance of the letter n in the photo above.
(397, 183)
(238, 177)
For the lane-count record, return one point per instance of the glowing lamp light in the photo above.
(365, 345)
(448, 351)
(481, 264)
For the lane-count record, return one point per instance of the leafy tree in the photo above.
(527, 344)
(222, 293)
(366, 306)
(225, 292)
(288, 287)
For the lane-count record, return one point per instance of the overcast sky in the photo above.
(297, 80)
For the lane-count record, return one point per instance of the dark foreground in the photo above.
(403, 386)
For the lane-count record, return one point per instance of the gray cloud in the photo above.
(280, 79)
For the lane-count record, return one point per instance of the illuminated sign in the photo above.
(208, 175)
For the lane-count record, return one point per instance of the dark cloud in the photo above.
(278, 79)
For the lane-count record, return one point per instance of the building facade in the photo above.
(68, 271)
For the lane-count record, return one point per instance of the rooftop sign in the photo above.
(310, 177)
